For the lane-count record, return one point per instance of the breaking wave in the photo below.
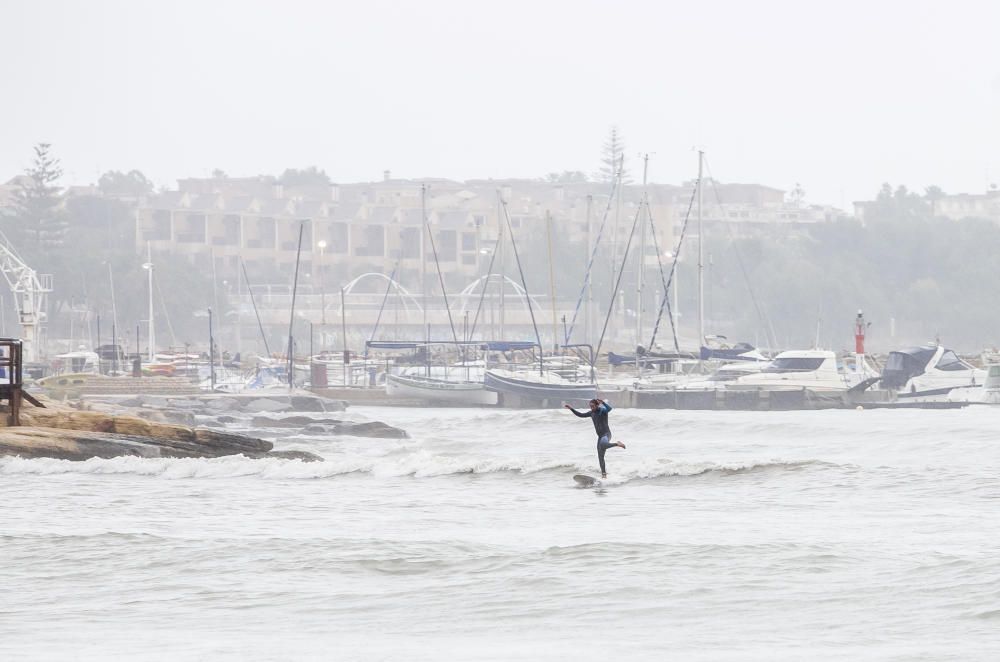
(420, 464)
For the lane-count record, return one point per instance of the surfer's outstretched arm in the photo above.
(581, 414)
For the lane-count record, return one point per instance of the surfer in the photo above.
(599, 415)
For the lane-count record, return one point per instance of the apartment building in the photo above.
(354, 228)
(351, 229)
(969, 205)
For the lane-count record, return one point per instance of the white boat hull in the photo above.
(439, 391)
(547, 388)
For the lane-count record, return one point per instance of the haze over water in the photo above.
(822, 535)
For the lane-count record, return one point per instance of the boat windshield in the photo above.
(905, 364)
(794, 364)
(950, 362)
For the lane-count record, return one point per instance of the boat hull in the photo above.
(438, 391)
(522, 390)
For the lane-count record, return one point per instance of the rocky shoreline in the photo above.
(139, 426)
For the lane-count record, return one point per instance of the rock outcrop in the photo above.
(82, 444)
(61, 432)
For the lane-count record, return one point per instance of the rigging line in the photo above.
(163, 307)
(388, 288)
(489, 275)
(444, 293)
(663, 278)
(764, 319)
(255, 311)
(621, 272)
(673, 266)
(593, 255)
(291, 314)
(524, 284)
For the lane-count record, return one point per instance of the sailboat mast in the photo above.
(701, 257)
(503, 271)
(423, 258)
(619, 192)
(642, 259)
(588, 310)
(552, 283)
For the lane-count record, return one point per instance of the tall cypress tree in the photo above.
(611, 154)
(37, 200)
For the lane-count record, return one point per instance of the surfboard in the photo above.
(586, 481)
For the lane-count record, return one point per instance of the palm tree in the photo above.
(932, 194)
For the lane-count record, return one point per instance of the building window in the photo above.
(409, 240)
(230, 231)
(469, 260)
(468, 241)
(161, 226)
(193, 231)
(337, 238)
(265, 234)
(447, 241)
(374, 242)
(307, 234)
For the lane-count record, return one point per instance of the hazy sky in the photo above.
(839, 96)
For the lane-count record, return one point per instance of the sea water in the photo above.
(836, 535)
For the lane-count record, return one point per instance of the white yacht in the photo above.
(726, 375)
(928, 373)
(814, 369)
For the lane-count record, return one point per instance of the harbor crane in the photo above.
(31, 295)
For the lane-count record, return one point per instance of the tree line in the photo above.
(918, 276)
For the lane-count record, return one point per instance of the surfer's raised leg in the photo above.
(603, 444)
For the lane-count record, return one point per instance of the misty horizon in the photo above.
(898, 93)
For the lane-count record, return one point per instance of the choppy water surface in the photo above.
(820, 535)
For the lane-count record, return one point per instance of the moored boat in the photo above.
(440, 391)
(544, 388)
(928, 373)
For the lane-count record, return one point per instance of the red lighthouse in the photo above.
(859, 334)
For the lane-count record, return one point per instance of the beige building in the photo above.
(956, 207)
(355, 228)
(969, 205)
(350, 229)
(345, 230)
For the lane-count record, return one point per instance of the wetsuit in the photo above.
(600, 418)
